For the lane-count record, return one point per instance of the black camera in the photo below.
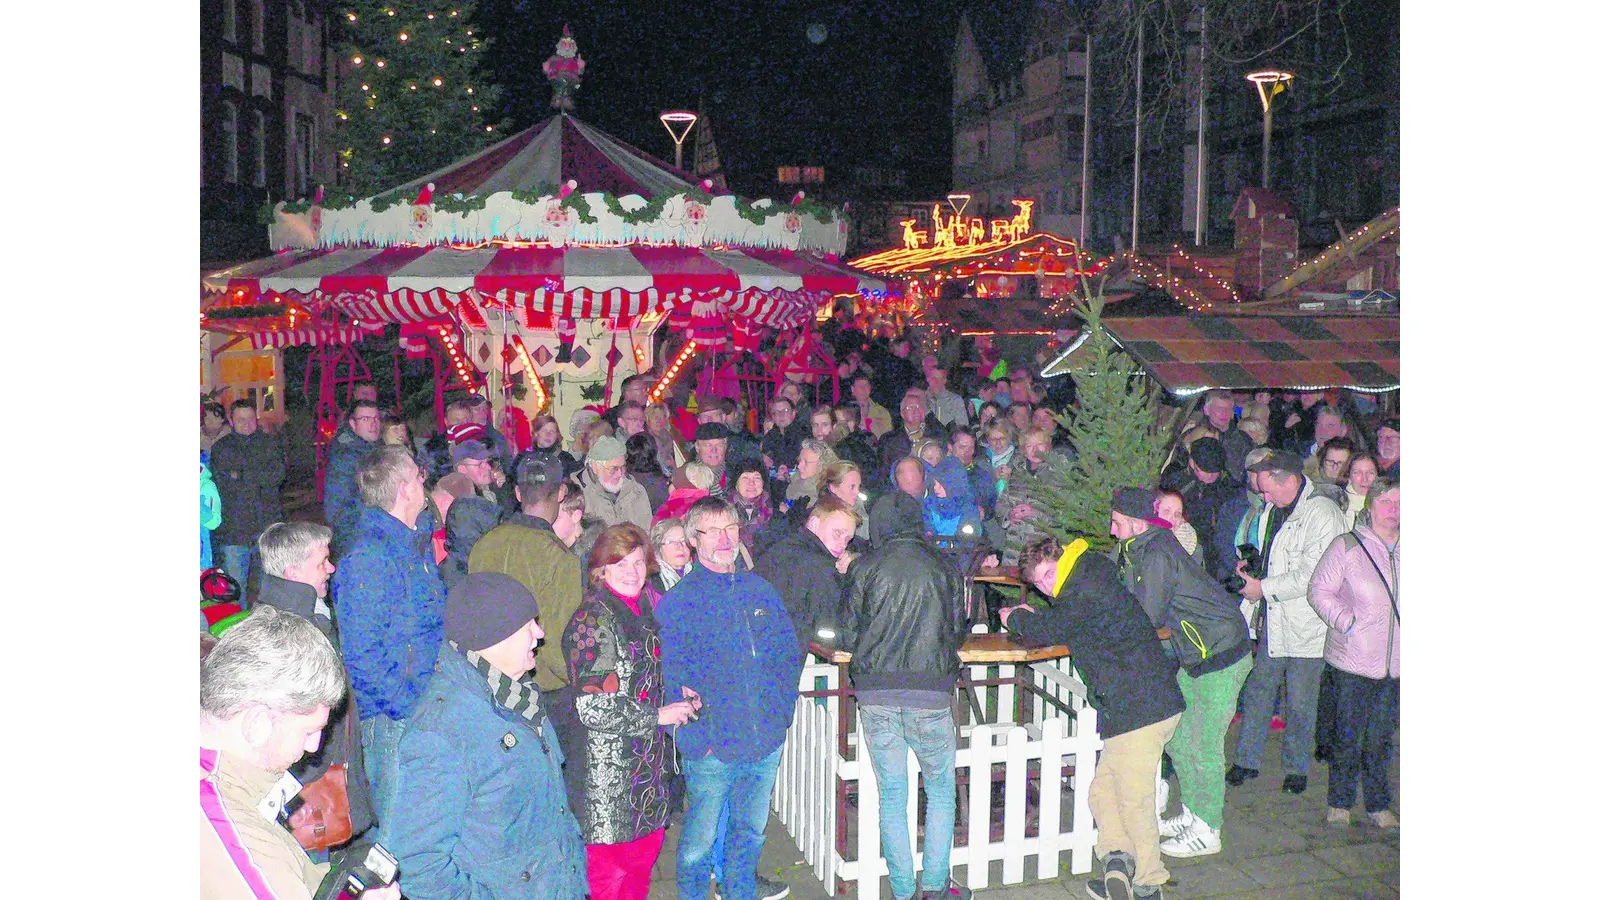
(1253, 566)
(364, 866)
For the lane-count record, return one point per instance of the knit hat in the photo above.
(457, 485)
(469, 450)
(1135, 503)
(466, 431)
(485, 608)
(1208, 455)
(606, 449)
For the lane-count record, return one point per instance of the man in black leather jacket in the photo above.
(904, 622)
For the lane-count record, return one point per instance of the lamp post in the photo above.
(1268, 85)
(686, 120)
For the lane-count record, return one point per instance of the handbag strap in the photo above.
(1381, 577)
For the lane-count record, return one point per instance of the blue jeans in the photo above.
(236, 561)
(380, 744)
(1366, 714)
(1301, 678)
(745, 789)
(889, 732)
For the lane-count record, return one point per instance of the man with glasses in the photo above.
(728, 645)
(609, 493)
(341, 503)
(630, 419)
(478, 411)
(474, 460)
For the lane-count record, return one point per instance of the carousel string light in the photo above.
(671, 375)
(449, 341)
(540, 397)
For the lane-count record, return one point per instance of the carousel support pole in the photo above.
(495, 382)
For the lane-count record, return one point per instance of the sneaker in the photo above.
(1173, 826)
(1277, 724)
(766, 889)
(1163, 793)
(1294, 784)
(1153, 892)
(1383, 818)
(1337, 816)
(1199, 839)
(1119, 876)
(952, 891)
(1238, 775)
(1097, 889)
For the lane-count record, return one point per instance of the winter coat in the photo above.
(783, 444)
(1131, 682)
(389, 603)
(981, 476)
(486, 812)
(656, 487)
(804, 574)
(1208, 631)
(526, 548)
(629, 504)
(1024, 488)
(1349, 593)
(1293, 628)
(243, 854)
(729, 638)
(469, 520)
(904, 617)
(341, 500)
(945, 515)
(210, 514)
(948, 408)
(341, 738)
(618, 767)
(1203, 503)
(248, 472)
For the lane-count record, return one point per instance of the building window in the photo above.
(1039, 128)
(812, 175)
(305, 154)
(788, 174)
(230, 20)
(258, 26)
(230, 142)
(261, 149)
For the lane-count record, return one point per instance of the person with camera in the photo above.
(266, 689)
(486, 811)
(1132, 684)
(1298, 526)
(1214, 656)
(904, 620)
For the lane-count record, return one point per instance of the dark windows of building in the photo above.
(258, 26)
(305, 150)
(230, 20)
(230, 142)
(260, 141)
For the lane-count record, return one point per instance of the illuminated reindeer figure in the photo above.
(910, 236)
(1016, 226)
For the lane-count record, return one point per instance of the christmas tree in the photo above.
(411, 100)
(1116, 426)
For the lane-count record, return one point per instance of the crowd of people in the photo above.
(525, 663)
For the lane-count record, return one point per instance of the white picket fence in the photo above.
(814, 776)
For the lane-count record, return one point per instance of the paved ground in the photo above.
(1277, 848)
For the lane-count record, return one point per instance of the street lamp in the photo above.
(683, 118)
(1268, 85)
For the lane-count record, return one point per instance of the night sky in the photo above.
(874, 92)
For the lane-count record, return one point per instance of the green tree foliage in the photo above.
(411, 100)
(1116, 426)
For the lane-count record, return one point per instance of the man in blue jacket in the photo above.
(389, 602)
(341, 504)
(727, 642)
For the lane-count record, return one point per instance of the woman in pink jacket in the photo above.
(1356, 590)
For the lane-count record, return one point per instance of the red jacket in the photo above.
(1348, 593)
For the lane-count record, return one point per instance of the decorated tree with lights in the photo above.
(411, 100)
(1117, 427)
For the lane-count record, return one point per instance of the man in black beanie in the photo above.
(485, 807)
(1205, 486)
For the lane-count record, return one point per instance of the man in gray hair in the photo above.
(265, 692)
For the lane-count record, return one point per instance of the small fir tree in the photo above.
(411, 100)
(1116, 427)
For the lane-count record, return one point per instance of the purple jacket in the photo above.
(1348, 592)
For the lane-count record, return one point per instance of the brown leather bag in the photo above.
(323, 819)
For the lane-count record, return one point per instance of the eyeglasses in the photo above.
(372, 418)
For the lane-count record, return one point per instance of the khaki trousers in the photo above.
(1122, 798)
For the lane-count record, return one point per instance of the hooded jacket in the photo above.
(803, 572)
(1293, 628)
(469, 520)
(389, 602)
(945, 515)
(486, 809)
(1114, 647)
(1351, 594)
(1208, 631)
(526, 548)
(729, 638)
(248, 472)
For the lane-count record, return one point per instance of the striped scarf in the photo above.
(519, 697)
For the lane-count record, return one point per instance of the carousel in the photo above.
(540, 272)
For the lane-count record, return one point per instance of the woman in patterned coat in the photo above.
(622, 751)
